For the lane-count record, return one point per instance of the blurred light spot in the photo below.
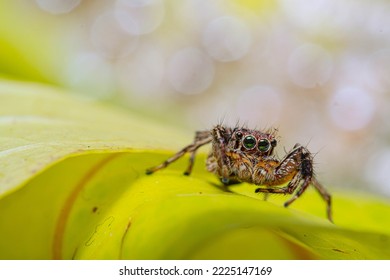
(195, 14)
(305, 12)
(147, 14)
(109, 38)
(142, 76)
(58, 6)
(379, 65)
(227, 39)
(91, 74)
(310, 66)
(351, 108)
(259, 105)
(378, 20)
(137, 3)
(314, 14)
(190, 71)
(377, 170)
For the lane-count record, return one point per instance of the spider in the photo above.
(246, 155)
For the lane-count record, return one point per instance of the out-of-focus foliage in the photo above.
(195, 62)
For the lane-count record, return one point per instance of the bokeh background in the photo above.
(317, 70)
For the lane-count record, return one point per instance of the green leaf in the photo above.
(42, 125)
(73, 185)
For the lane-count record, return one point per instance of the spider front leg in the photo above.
(221, 137)
(297, 169)
(201, 138)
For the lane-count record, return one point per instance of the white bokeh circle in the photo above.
(190, 71)
(260, 105)
(147, 14)
(351, 108)
(56, 7)
(110, 38)
(310, 66)
(227, 39)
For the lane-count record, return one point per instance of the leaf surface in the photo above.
(72, 185)
(42, 125)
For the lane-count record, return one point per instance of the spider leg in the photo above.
(199, 137)
(301, 189)
(219, 134)
(289, 189)
(296, 166)
(190, 163)
(325, 195)
(190, 148)
(280, 190)
(305, 172)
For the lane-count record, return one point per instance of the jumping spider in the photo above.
(245, 155)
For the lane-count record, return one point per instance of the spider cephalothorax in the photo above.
(246, 155)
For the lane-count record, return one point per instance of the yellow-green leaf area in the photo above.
(73, 186)
(41, 125)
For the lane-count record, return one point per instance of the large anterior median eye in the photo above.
(264, 145)
(249, 142)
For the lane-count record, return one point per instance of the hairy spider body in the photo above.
(246, 155)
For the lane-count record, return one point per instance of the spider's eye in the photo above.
(239, 134)
(264, 145)
(249, 142)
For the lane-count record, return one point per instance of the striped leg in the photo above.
(298, 164)
(325, 195)
(201, 138)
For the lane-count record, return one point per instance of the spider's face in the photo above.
(252, 142)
